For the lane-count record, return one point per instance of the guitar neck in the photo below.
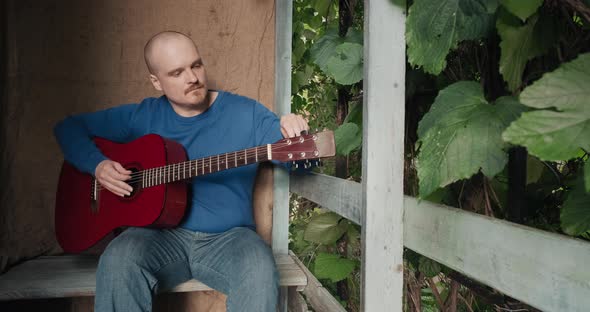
(203, 166)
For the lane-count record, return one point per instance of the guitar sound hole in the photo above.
(135, 183)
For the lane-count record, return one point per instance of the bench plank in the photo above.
(74, 276)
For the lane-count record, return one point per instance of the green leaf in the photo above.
(429, 267)
(461, 134)
(322, 6)
(479, 18)
(522, 8)
(587, 176)
(325, 47)
(346, 65)
(435, 27)
(333, 267)
(325, 228)
(575, 214)
(355, 114)
(519, 44)
(534, 169)
(557, 133)
(348, 137)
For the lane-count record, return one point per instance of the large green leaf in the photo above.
(461, 134)
(325, 228)
(559, 132)
(346, 65)
(348, 137)
(325, 47)
(333, 267)
(522, 8)
(479, 18)
(587, 176)
(435, 27)
(519, 44)
(575, 214)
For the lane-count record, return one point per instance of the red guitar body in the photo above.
(80, 221)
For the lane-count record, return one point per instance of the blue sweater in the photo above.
(220, 201)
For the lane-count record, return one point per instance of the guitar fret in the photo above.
(203, 166)
(210, 164)
(245, 157)
(236, 158)
(217, 162)
(225, 160)
(256, 151)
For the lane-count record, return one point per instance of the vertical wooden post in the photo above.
(383, 155)
(280, 215)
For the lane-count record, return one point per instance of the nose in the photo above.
(192, 77)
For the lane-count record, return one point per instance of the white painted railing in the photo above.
(546, 270)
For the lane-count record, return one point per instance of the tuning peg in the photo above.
(304, 132)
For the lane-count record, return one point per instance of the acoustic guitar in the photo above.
(85, 212)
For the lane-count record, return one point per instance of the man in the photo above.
(215, 243)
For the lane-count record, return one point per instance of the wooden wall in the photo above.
(68, 56)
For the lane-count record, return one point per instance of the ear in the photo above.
(155, 82)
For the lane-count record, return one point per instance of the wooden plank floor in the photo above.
(74, 276)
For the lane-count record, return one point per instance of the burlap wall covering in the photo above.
(70, 56)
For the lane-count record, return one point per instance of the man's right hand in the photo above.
(111, 175)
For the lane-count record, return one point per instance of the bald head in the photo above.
(158, 43)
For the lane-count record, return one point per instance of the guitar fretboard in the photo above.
(198, 167)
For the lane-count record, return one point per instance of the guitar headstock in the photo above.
(309, 146)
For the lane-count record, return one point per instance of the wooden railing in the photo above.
(546, 270)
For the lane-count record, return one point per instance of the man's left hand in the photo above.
(292, 125)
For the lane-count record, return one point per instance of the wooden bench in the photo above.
(74, 276)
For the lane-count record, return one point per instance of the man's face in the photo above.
(179, 72)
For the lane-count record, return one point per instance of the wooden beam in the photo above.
(283, 24)
(283, 45)
(545, 270)
(342, 196)
(383, 155)
(74, 276)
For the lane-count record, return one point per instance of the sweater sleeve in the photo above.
(75, 134)
(267, 125)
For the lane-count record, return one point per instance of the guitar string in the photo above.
(165, 171)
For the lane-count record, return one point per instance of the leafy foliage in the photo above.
(333, 267)
(575, 216)
(563, 127)
(325, 228)
(519, 45)
(435, 27)
(520, 8)
(429, 267)
(461, 134)
(346, 65)
(348, 137)
(472, 64)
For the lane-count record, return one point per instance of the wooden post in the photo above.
(283, 34)
(383, 155)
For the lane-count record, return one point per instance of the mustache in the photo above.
(193, 88)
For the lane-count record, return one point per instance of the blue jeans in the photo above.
(140, 262)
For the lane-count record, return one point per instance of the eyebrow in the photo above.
(199, 61)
